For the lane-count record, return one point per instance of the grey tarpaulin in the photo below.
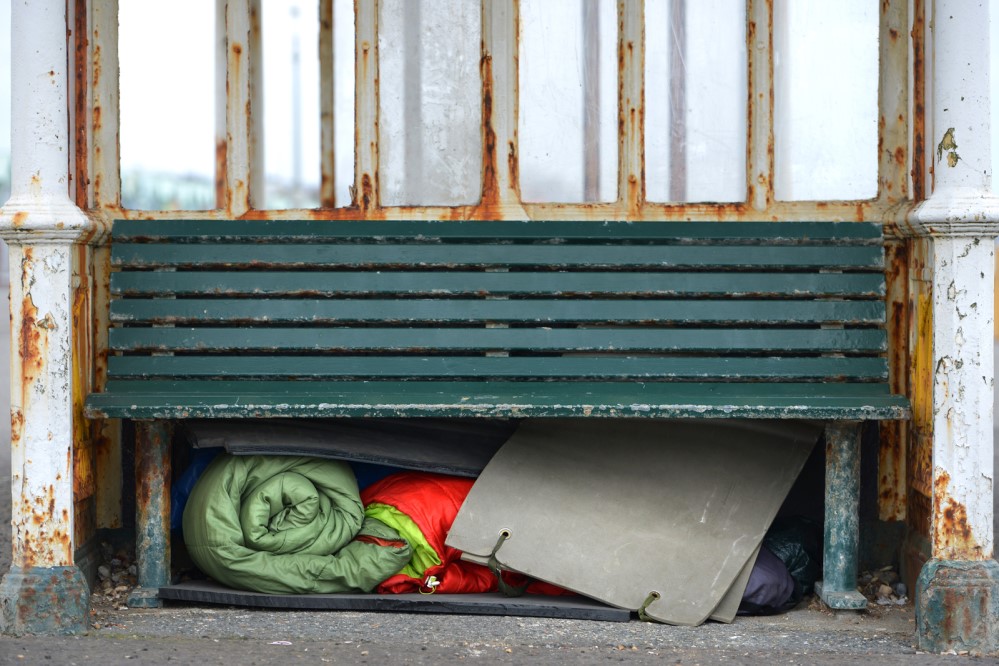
(619, 510)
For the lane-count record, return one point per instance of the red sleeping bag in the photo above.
(432, 501)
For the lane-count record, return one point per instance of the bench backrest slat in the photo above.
(466, 255)
(249, 282)
(547, 311)
(320, 300)
(549, 367)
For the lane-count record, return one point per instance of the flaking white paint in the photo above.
(960, 217)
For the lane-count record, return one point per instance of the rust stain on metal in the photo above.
(953, 537)
(513, 166)
(30, 339)
(81, 169)
(490, 180)
(891, 479)
(221, 151)
(19, 219)
(365, 201)
(918, 101)
(48, 542)
(920, 459)
(16, 427)
(923, 366)
(892, 457)
(82, 461)
(750, 128)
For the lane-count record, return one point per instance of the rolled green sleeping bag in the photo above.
(287, 525)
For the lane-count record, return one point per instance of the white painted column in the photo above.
(961, 217)
(44, 592)
(958, 590)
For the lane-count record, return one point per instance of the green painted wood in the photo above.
(459, 310)
(452, 367)
(485, 339)
(480, 255)
(214, 231)
(253, 399)
(668, 272)
(584, 283)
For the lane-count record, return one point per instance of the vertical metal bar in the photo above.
(678, 100)
(500, 109)
(412, 100)
(591, 101)
(152, 511)
(81, 94)
(631, 106)
(760, 143)
(104, 190)
(920, 141)
(365, 194)
(255, 109)
(893, 450)
(106, 177)
(893, 102)
(838, 588)
(107, 436)
(221, 106)
(296, 110)
(239, 160)
(327, 123)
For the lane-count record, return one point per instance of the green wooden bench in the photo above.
(239, 319)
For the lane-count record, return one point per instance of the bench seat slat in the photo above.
(446, 256)
(437, 367)
(253, 399)
(531, 311)
(485, 339)
(291, 283)
(215, 231)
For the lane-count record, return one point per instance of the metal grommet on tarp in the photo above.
(497, 568)
(642, 614)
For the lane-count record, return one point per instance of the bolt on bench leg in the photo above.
(152, 512)
(838, 589)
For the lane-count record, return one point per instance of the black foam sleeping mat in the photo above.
(529, 605)
(461, 447)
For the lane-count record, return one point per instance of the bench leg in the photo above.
(838, 589)
(152, 512)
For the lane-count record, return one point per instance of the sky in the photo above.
(148, 114)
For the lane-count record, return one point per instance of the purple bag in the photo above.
(770, 588)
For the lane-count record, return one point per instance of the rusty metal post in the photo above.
(957, 594)
(244, 107)
(152, 512)
(838, 587)
(500, 104)
(327, 97)
(44, 591)
(366, 164)
(760, 144)
(631, 107)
